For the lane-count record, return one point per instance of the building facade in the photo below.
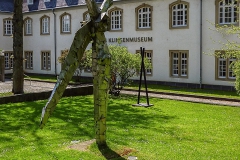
(178, 36)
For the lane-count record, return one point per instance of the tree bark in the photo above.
(101, 68)
(101, 81)
(18, 78)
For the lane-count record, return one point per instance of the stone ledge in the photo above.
(78, 91)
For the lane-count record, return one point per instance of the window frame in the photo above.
(42, 24)
(179, 65)
(45, 63)
(227, 71)
(28, 60)
(151, 61)
(120, 29)
(62, 25)
(9, 64)
(26, 27)
(85, 14)
(150, 25)
(217, 15)
(6, 28)
(179, 2)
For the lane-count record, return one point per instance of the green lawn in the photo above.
(170, 130)
(50, 78)
(6, 94)
(188, 91)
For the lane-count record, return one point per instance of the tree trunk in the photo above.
(100, 66)
(18, 48)
(101, 81)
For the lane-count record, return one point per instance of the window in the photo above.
(226, 12)
(46, 0)
(224, 68)
(179, 64)
(8, 56)
(28, 27)
(179, 14)
(147, 54)
(65, 23)
(30, 2)
(8, 27)
(86, 16)
(28, 59)
(116, 19)
(45, 25)
(144, 17)
(46, 60)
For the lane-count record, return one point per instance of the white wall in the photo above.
(211, 41)
(164, 39)
(38, 42)
(6, 42)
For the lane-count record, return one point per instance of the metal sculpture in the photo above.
(91, 31)
(143, 70)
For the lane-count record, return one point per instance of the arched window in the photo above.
(226, 12)
(8, 27)
(179, 14)
(28, 26)
(116, 19)
(65, 23)
(144, 17)
(45, 25)
(86, 16)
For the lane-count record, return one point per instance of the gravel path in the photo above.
(36, 86)
(29, 86)
(188, 99)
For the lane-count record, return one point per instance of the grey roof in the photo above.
(7, 5)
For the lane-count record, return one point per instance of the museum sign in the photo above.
(131, 39)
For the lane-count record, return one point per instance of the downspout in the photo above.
(201, 49)
(55, 43)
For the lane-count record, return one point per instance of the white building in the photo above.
(176, 35)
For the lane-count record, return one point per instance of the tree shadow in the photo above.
(108, 153)
(73, 118)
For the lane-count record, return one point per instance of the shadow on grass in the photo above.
(108, 153)
(73, 119)
(125, 120)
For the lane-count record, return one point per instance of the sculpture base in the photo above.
(142, 105)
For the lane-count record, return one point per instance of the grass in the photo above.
(168, 130)
(6, 94)
(54, 79)
(41, 77)
(188, 91)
